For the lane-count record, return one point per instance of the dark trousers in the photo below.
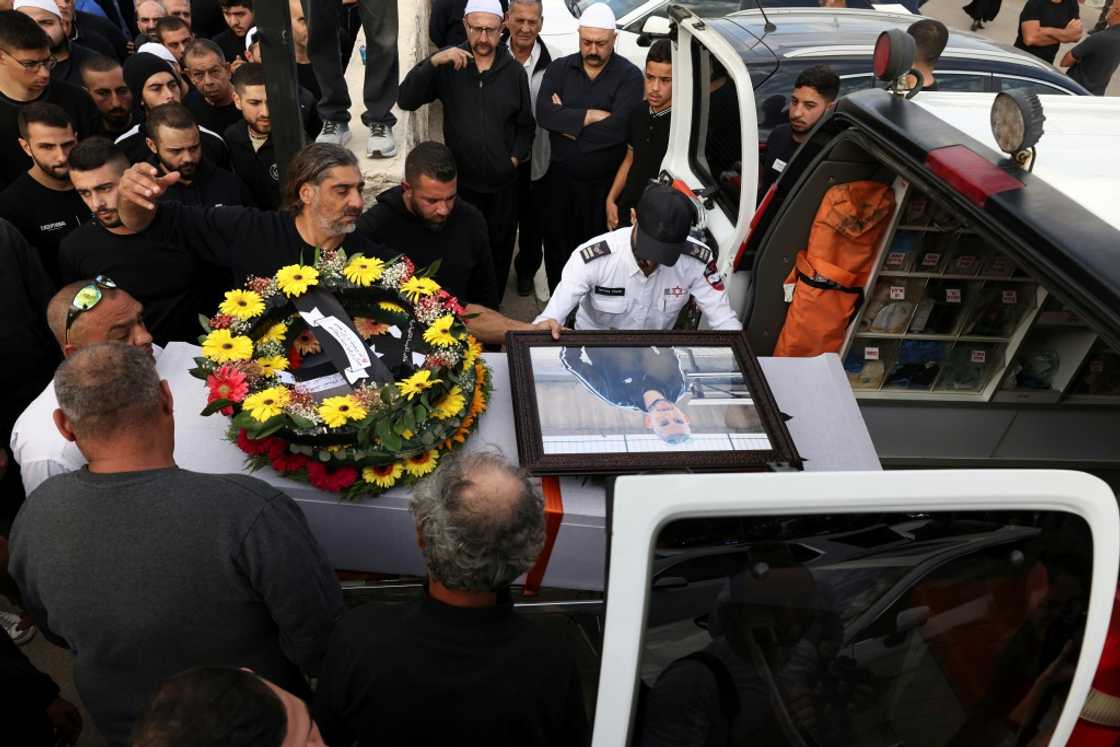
(530, 201)
(576, 211)
(379, 19)
(500, 210)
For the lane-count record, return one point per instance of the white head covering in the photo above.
(598, 16)
(48, 5)
(250, 38)
(483, 6)
(159, 51)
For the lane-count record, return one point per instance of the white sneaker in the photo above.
(380, 143)
(9, 621)
(337, 133)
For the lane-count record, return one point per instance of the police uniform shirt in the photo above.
(622, 376)
(602, 277)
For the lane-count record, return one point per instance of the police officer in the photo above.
(647, 379)
(631, 278)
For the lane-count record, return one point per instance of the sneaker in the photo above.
(380, 143)
(334, 132)
(10, 622)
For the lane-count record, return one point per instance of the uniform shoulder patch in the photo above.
(698, 251)
(594, 251)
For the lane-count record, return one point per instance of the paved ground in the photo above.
(1004, 27)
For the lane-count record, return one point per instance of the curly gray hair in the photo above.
(481, 521)
(106, 388)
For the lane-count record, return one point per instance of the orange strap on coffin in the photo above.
(553, 517)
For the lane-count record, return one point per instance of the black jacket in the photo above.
(100, 31)
(211, 187)
(135, 146)
(257, 169)
(463, 246)
(487, 117)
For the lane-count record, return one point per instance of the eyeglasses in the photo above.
(85, 299)
(484, 30)
(33, 65)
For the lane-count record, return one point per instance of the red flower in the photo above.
(256, 446)
(450, 302)
(221, 321)
(227, 383)
(283, 460)
(295, 360)
(334, 482)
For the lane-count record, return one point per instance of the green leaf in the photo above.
(427, 438)
(393, 442)
(216, 405)
(431, 269)
(363, 436)
(408, 420)
(383, 430)
(268, 430)
(201, 361)
(421, 413)
(205, 322)
(387, 394)
(301, 422)
(244, 420)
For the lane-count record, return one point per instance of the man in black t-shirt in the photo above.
(238, 15)
(460, 666)
(25, 65)
(930, 38)
(42, 203)
(1093, 62)
(175, 144)
(813, 92)
(211, 101)
(103, 79)
(251, 153)
(1044, 25)
(648, 139)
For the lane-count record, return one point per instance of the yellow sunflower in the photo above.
(421, 464)
(451, 405)
(269, 365)
(417, 383)
(275, 333)
(337, 411)
(363, 271)
(392, 308)
(306, 343)
(267, 403)
(416, 288)
(439, 332)
(384, 476)
(222, 346)
(242, 304)
(474, 349)
(294, 280)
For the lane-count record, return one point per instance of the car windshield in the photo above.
(621, 8)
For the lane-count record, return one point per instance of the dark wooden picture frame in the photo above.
(527, 416)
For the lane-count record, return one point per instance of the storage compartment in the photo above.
(1099, 375)
(998, 309)
(1045, 365)
(891, 305)
(969, 367)
(868, 361)
(917, 365)
(942, 307)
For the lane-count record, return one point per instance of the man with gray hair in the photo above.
(143, 569)
(459, 667)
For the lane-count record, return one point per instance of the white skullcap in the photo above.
(598, 16)
(48, 5)
(159, 51)
(483, 6)
(250, 38)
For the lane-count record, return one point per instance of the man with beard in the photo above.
(251, 153)
(163, 276)
(175, 34)
(42, 203)
(211, 101)
(813, 92)
(67, 56)
(25, 77)
(153, 83)
(487, 121)
(238, 15)
(321, 201)
(175, 143)
(585, 102)
(103, 79)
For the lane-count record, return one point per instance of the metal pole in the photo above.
(274, 26)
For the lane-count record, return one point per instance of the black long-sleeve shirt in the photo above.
(74, 101)
(256, 167)
(597, 148)
(438, 675)
(622, 376)
(487, 116)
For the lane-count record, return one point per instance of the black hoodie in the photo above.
(462, 246)
(487, 117)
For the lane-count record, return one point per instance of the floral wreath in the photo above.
(374, 437)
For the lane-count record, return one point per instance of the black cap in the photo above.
(665, 217)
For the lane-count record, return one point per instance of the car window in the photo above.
(715, 147)
(853, 83)
(927, 630)
(620, 7)
(975, 82)
(1006, 83)
(702, 8)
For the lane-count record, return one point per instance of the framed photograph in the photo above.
(618, 402)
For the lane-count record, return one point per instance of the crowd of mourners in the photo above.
(139, 182)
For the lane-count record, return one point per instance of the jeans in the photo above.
(379, 19)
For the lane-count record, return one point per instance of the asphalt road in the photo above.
(1003, 28)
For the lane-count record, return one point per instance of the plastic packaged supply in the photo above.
(919, 363)
(1100, 376)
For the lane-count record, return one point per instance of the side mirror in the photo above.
(907, 621)
(656, 26)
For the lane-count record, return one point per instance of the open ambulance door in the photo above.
(926, 609)
(713, 139)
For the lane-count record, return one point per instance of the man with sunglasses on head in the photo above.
(86, 312)
(25, 77)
